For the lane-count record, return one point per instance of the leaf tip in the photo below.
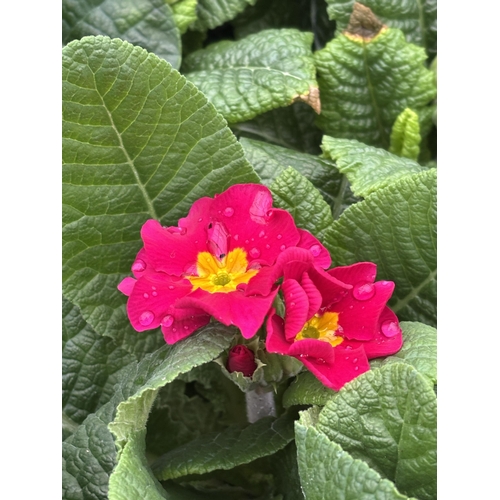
(363, 25)
(310, 97)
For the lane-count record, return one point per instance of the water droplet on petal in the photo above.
(186, 327)
(138, 266)
(174, 329)
(153, 288)
(356, 368)
(145, 295)
(315, 250)
(247, 241)
(347, 357)
(390, 328)
(363, 291)
(261, 234)
(167, 321)
(171, 287)
(172, 255)
(200, 219)
(282, 247)
(268, 246)
(146, 318)
(355, 360)
(229, 211)
(279, 236)
(254, 252)
(236, 237)
(155, 294)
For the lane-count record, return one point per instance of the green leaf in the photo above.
(213, 13)
(293, 192)
(90, 366)
(367, 80)
(326, 471)
(405, 135)
(270, 161)
(306, 389)
(367, 168)
(184, 13)
(395, 227)
(267, 70)
(419, 350)
(147, 23)
(139, 142)
(224, 450)
(286, 472)
(292, 127)
(387, 417)
(417, 19)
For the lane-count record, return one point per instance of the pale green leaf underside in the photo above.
(405, 135)
(419, 350)
(270, 161)
(367, 168)
(139, 142)
(395, 227)
(328, 472)
(146, 23)
(234, 446)
(387, 417)
(246, 78)
(365, 84)
(417, 19)
(213, 13)
(294, 193)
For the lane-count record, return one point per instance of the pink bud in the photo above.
(241, 359)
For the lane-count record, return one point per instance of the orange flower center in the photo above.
(322, 327)
(224, 275)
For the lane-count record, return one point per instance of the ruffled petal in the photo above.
(296, 306)
(360, 272)
(319, 252)
(313, 295)
(382, 345)
(275, 339)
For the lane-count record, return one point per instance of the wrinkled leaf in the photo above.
(417, 19)
(367, 80)
(270, 161)
(139, 142)
(267, 70)
(147, 23)
(405, 135)
(213, 13)
(306, 389)
(387, 418)
(184, 13)
(396, 228)
(367, 168)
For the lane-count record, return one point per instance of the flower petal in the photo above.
(297, 307)
(355, 273)
(185, 322)
(319, 252)
(313, 295)
(126, 286)
(275, 339)
(382, 345)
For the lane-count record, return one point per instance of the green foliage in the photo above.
(213, 13)
(405, 135)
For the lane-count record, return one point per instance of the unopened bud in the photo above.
(241, 359)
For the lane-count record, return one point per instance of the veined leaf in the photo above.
(139, 142)
(213, 13)
(184, 13)
(306, 389)
(225, 450)
(405, 135)
(367, 76)
(270, 161)
(417, 19)
(327, 471)
(147, 23)
(267, 70)
(367, 168)
(395, 227)
(387, 417)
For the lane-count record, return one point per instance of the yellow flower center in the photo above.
(322, 328)
(222, 275)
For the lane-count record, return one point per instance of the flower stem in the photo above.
(260, 403)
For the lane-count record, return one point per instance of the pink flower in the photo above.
(241, 359)
(335, 321)
(201, 268)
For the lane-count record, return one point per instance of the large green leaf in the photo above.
(90, 366)
(387, 417)
(225, 450)
(328, 472)
(306, 389)
(367, 76)
(367, 168)
(417, 19)
(264, 71)
(292, 127)
(184, 13)
(139, 142)
(419, 350)
(270, 161)
(395, 227)
(213, 13)
(147, 23)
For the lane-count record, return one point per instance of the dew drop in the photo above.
(247, 241)
(172, 255)
(282, 247)
(254, 252)
(153, 288)
(146, 318)
(138, 266)
(355, 360)
(279, 236)
(356, 368)
(349, 347)
(292, 304)
(186, 327)
(350, 307)
(315, 250)
(174, 329)
(171, 287)
(363, 291)
(347, 357)
(236, 237)
(229, 211)
(390, 328)
(155, 294)
(200, 219)
(145, 295)
(268, 246)
(167, 321)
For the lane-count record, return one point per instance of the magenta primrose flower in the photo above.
(201, 268)
(335, 321)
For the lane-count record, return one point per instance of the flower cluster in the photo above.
(229, 259)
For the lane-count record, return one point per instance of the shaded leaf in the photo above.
(267, 70)
(395, 227)
(405, 135)
(367, 168)
(139, 142)
(147, 23)
(213, 13)
(306, 389)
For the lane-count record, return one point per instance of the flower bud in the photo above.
(241, 359)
